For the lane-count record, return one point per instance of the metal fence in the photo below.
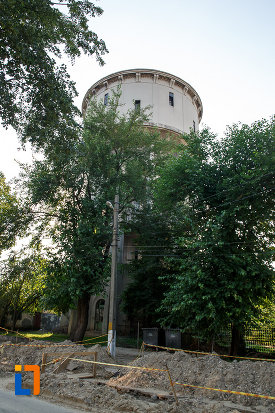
(260, 340)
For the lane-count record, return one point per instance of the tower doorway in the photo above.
(99, 308)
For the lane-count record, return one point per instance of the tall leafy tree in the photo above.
(36, 90)
(145, 291)
(221, 194)
(22, 280)
(115, 155)
(13, 217)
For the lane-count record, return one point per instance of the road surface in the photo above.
(9, 403)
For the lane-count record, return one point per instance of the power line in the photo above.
(233, 187)
(246, 197)
(221, 255)
(179, 247)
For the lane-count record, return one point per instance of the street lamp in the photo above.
(112, 309)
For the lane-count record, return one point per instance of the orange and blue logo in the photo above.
(18, 380)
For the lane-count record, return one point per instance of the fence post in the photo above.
(172, 385)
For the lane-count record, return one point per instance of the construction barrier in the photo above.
(226, 391)
(83, 342)
(174, 382)
(204, 353)
(65, 359)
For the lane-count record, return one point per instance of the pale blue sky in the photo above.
(224, 49)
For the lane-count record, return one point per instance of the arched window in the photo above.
(99, 308)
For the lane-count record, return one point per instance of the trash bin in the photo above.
(151, 336)
(172, 338)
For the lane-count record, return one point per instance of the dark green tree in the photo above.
(220, 194)
(13, 217)
(115, 155)
(36, 90)
(22, 280)
(143, 295)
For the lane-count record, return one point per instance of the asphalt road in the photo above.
(9, 403)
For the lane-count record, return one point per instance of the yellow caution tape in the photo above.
(11, 331)
(92, 338)
(117, 365)
(46, 345)
(226, 391)
(52, 362)
(211, 354)
(56, 344)
(174, 382)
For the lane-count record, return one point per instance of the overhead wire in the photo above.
(177, 246)
(233, 187)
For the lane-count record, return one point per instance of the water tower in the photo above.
(175, 108)
(175, 105)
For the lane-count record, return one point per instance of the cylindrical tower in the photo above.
(175, 108)
(175, 105)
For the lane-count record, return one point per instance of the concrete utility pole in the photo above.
(112, 308)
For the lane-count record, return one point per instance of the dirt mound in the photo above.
(208, 371)
(103, 397)
(32, 354)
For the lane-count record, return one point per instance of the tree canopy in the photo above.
(13, 217)
(219, 195)
(145, 290)
(36, 90)
(22, 280)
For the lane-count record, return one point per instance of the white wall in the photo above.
(154, 92)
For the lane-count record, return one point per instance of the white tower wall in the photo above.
(152, 88)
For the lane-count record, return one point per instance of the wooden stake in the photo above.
(44, 360)
(94, 366)
(67, 356)
(63, 364)
(172, 385)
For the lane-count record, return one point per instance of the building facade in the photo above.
(175, 108)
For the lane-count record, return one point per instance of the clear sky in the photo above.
(224, 49)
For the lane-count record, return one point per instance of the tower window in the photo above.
(194, 126)
(171, 99)
(106, 99)
(137, 105)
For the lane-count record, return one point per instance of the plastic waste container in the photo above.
(172, 338)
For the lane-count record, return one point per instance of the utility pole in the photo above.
(112, 308)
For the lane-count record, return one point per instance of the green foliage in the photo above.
(220, 196)
(12, 217)
(144, 293)
(36, 92)
(265, 315)
(115, 155)
(22, 281)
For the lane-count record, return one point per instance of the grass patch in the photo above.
(56, 337)
(128, 342)
(122, 341)
(53, 337)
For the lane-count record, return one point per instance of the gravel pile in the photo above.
(32, 354)
(209, 371)
(104, 397)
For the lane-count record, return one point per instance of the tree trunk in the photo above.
(3, 316)
(78, 332)
(237, 342)
(14, 319)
